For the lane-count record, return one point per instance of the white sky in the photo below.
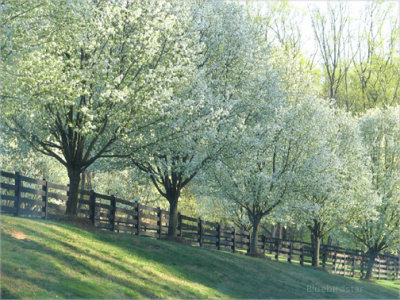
(354, 6)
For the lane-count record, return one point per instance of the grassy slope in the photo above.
(46, 259)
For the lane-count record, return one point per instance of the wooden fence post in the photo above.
(277, 244)
(218, 236)
(290, 252)
(344, 263)
(248, 244)
(334, 261)
(139, 219)
(180, 225)
(200, 233)
(17, 202)
(45, 198)
(353, 266)
(324, 256)
(264, 240)
(302, 255)
(234, 240)
(92, 207)
(112, 213)
(379, 268)
(159, 222)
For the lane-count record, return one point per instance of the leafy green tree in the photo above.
(78, 76)
(376, 64)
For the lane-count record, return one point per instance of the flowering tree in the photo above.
(78, 76)
(380, 135)
(259, 178)
(332, 189)
(201, 111)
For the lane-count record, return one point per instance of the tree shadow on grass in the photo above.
(56, 279)
(225, 272)
(222, 272)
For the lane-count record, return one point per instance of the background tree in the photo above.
(380, 135)
(78, 75)
(333, 38)
(376, 63)
(332, 189)
(263, 170)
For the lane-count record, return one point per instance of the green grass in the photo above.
(48, 259)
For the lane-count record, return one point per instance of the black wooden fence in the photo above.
(26, 197)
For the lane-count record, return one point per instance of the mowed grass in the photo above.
(48, 259)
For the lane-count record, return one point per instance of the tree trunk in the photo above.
(254, 237)
(173, 217)
(371, 260)
(316, 244)
(74, 180)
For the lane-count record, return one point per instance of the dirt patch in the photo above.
(16, 234)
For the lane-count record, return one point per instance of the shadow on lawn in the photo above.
(55, 278)
(220, 271)
(223, 271)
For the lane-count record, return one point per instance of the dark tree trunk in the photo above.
(316, 244)
(254, 237)
(371, 260)
(173, 217)
(74, 180)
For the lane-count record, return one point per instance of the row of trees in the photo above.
(195, 93)
(355, 59)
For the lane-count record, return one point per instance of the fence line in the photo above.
(34, 198)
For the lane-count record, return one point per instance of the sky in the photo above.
(308, 44)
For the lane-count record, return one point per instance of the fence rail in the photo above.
(27, 197)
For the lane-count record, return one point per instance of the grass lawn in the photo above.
(48, 259)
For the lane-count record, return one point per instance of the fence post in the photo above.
(353, 266)
(379, 268)
(290, 252)
(234, 240)
(334, 261)
(344, 264)
(263, 238)
(302, 255)
(248, 244)
(159, 222)
(139, 221)
(17, 202)
(92, 207)
(200, 225)
(277, 249)
(324, 255)
(112, 213)
(45, 198)
(218, 236)
(180, 224)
